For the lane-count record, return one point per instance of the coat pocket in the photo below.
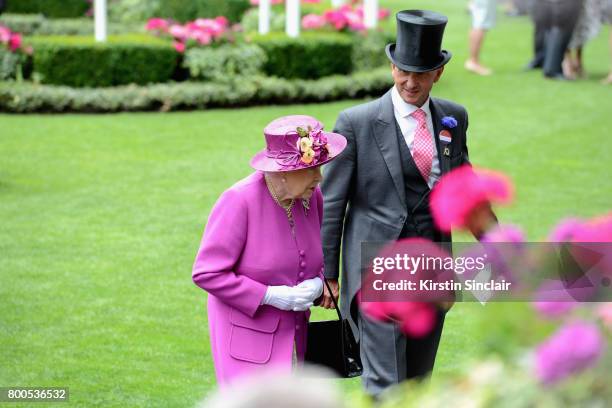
(252, 338)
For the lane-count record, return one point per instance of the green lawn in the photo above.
(102, 216)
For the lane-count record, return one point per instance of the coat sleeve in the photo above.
(464, 148)
(221, 247)
(338, 179)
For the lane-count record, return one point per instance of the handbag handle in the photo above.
(333, 299)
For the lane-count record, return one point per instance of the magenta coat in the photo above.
(248, 245)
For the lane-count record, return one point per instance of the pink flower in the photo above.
(571, 350)
(155, 24)
(416, 319)
(313, 22)
(604, 312)
(14, 42)
(179, 46)
(256, 2)
(5, 34)
(202, 37)
(221, 20)
(598, 229)
(505, 233)
(463, 191)
(179, 32)
(383, 13)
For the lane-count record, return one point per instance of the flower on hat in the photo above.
(312, 145)
(308, 156)
(305, 143)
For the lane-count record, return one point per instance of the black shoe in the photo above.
(531, 66)
(558, 77)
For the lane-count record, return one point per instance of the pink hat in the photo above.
(297, 142)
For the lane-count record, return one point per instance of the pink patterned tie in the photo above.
(422, 148)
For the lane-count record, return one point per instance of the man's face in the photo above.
(414, 87)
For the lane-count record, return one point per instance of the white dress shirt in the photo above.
(408, 125)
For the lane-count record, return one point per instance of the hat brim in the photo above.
(390, 51)
(336, 143)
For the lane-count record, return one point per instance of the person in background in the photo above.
(606, 14)
(587, 28)
(483, 19)
(554, 21)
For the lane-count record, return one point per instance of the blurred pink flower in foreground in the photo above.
(604, 312)
(416, 319)
(505, 233)
(572, 349)
(465, 190)
(598, 229)
(553, 300)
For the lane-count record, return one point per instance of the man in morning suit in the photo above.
(378, 189)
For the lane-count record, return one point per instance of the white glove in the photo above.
(314, 285)
(288, 298)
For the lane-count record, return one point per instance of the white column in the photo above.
(264, 16)
(292, 24)
(370, 13)
(100, 20)
(337, 3)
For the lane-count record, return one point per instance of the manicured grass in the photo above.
(102, 216)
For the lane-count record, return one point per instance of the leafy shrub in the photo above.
(37, 24)
(28, 98)
(250, 20)
(80, 62)
(12, 64)
(225, 61)
(182, 10)
(50, 8)
(310, 56)
(369, 50)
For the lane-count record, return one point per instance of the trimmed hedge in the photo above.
(310, 56)
(29, 98)
(37, 24)
(79, 62)
(228, 60)
(50, 8)
(182, 10)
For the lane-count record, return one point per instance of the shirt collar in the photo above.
(404, 109)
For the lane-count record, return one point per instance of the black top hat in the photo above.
(419, 39)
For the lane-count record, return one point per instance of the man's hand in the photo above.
(327, 302)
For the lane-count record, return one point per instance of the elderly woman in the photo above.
(261, 259)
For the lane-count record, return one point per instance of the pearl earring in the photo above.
(284, 179)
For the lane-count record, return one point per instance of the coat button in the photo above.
(297, 327)
(303, 264)
(302, 253)
(301, 274)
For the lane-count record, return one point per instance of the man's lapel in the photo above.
(385, 135)
(437, 114)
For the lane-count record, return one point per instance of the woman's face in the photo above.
(302, 183)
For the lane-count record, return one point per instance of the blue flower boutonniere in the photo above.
(449, 122)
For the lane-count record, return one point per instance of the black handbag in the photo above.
(331, 344)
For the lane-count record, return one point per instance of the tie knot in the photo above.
(419, 115)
